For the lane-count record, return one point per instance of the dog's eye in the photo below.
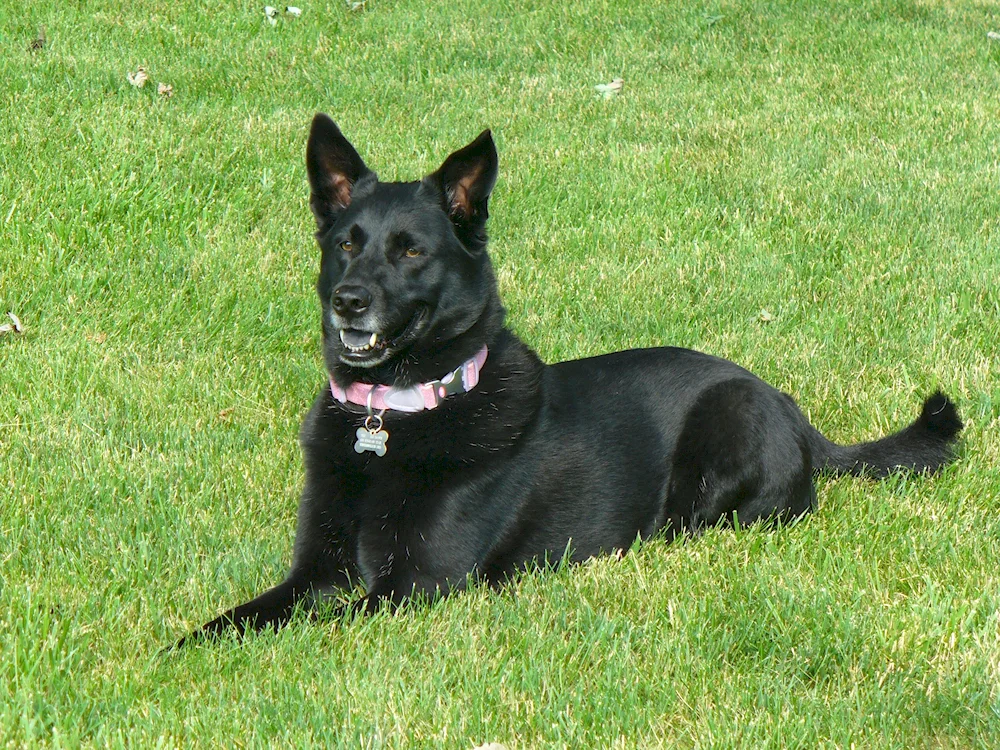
(346, 246)
(412, 252)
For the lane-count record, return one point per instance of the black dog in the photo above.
(480, 459)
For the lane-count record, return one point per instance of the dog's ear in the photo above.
(466, 180)
(334, 167)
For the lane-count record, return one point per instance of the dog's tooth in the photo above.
(372, 340)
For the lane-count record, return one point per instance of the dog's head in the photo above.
(406, 286)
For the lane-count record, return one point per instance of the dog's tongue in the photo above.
(353, 337)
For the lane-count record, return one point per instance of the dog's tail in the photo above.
(924, 446)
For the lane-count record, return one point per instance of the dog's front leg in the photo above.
(322, 565)
(320, 569)
(272, 609)
(394, 594)
(373, 601)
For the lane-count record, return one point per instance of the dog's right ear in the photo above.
(334, 168)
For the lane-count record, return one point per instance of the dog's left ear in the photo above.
(466, 180)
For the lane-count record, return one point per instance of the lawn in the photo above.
(811, 189)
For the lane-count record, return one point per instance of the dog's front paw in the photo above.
(207, 632)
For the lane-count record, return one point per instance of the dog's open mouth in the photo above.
(369, 348)
(356, 341)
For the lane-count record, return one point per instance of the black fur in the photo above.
(583, 455)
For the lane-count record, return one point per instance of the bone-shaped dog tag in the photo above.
(371, 440)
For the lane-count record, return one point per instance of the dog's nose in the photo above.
(350, 300)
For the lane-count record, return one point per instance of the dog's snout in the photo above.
(350, 299)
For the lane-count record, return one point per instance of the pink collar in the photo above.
(417, 397)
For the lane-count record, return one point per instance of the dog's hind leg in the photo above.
(743, 454)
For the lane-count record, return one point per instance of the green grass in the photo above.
(836, 165)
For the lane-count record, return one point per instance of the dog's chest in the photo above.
(412, 537)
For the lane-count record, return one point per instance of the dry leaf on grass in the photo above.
(995, 36)
(39, 41)
(14, 325)
(271, 14)
(139, 78)
(491, 746)
(293, 11)
(766, 316)
(165, 90)
(609, 90)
